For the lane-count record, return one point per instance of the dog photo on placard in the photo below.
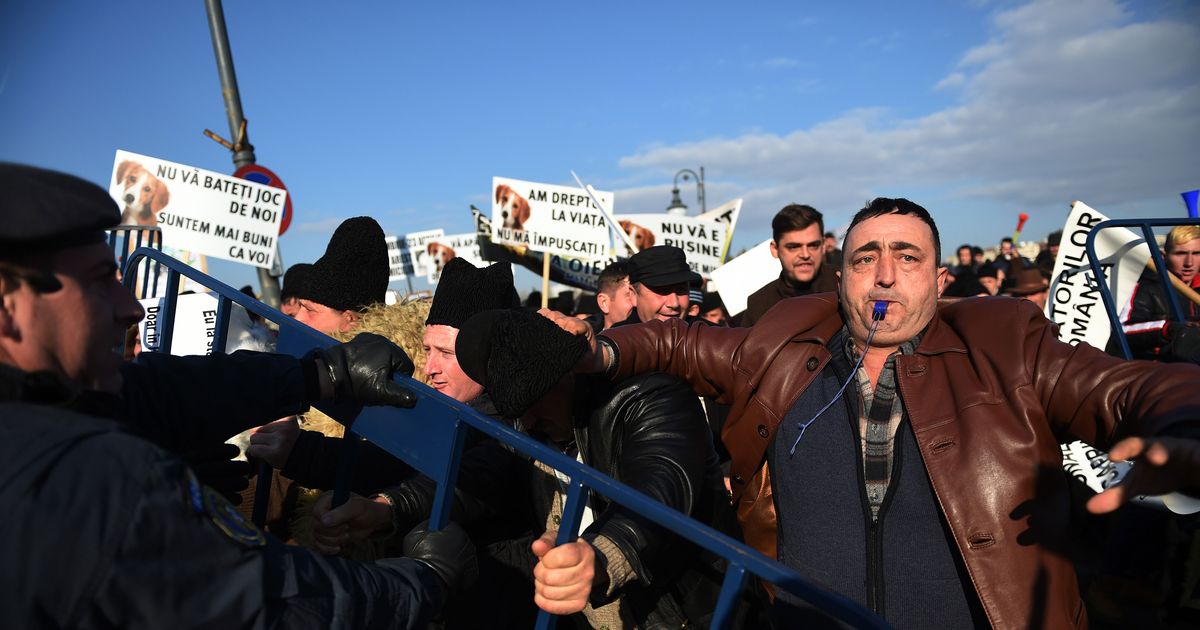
(641, 236)
(142, 194)
(439, 255)
(514, 209)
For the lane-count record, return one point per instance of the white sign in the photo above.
(1075, 303)
(548, 218)
(195, 326)
(728, 214)
(702, 241)
(401, 253)
(204, 212)
(737, 279)
(1091, 466)
(439, 251)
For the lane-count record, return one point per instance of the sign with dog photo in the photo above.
(402, 253)
(201, 211)
(547, 218)
(439, 251)
(702, 241)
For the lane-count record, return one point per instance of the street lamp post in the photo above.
(677, 206)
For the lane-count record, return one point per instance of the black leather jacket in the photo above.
(648, 432)
(1146, 319)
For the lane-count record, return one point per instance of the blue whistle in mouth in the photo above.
(880, 310)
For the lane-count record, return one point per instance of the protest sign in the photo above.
(702, 241)
(573, 272)
(1092, 467)
(195, 326)
(201, 211)
(728, 214)
(1075, 303)
(439, 251)
(401, 252)
(737, 279)
(548, 218)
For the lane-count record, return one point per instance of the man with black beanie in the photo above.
(352, 275)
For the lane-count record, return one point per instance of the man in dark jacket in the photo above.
(796, 242)
(648, 432)
(108, 528)
(931, 490)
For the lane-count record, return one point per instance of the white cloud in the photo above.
(1066, 100)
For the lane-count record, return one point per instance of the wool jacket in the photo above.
(990, 394)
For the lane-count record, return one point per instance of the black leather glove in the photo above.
(1183, 342)
(448, 552)
(361, 371)
(215, 467)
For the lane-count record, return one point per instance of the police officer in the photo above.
(105, 526)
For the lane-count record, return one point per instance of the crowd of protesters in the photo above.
(896, 446)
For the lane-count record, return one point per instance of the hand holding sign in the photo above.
(1162, 465)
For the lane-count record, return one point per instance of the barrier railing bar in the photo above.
(166, 315)
(443, 501)
(1114, 316)
(739, 555)
(731, 587)
(568, 531)
(221, 328)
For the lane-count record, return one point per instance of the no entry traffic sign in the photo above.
(263, 175)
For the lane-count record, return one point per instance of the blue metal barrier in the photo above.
(1110, 306)
(430, 437)
(124, 239)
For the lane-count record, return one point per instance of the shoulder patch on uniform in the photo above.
(230, 521)
(193, 494)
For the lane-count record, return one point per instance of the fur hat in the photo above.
(464, 290)
(353, 273)
(516, 355)
(293, 280)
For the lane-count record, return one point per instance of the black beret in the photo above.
(353, 273)
(464, 290)
(42, 210)
(516, 355)
(660, 266)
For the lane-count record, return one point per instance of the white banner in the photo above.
(439, 251)
(548, 218)
(728, 214)
(702, 241)
(1075, 303)
(195, 326)
(744, 275)
(402, 250)
(201, 211)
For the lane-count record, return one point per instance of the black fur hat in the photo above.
(464, 290)
(516, 355)
(294, 279)
(353, 273)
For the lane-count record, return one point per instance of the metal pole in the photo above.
(243, 150)
(700, 187)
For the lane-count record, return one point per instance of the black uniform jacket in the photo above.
(105, 529)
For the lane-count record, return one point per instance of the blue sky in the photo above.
(977, 110)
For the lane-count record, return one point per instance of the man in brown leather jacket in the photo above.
(931, 488)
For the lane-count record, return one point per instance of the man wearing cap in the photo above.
(903, 453)
(310, 457)
(660, 277)
(796, 241)
(106, 526)
(352, 275)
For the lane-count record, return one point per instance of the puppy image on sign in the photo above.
(439, 255)
(143, 194)
(514, 208)
(642, 237)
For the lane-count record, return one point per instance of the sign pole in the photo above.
(243, 151)
(545, 280)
